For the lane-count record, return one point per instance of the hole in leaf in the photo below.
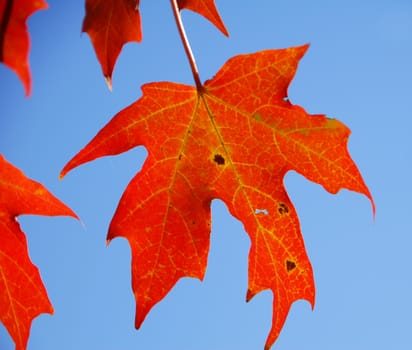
(218, 159)
(283, 209)
(290, 265)
(261, 211)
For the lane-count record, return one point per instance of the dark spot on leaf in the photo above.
(218, 159)
(283, 209)
(180, 156)
(290, 265)
(258, 117)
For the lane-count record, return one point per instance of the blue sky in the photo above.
(358, 69)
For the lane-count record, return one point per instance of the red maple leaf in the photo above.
(233, 139)
(22, 294)
(207, 9)
(114, 23)
(14, 38)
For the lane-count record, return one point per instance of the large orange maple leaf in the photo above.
(234, 139)
(113, 23)
(14, 38)
(22, 294)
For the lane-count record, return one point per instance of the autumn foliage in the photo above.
(22, 293)
(114, 23)
(14, 38)
(232, 138)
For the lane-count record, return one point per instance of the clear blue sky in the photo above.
(358, 69)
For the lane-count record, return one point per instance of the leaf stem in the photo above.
(186, 45)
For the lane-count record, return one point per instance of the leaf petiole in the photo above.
(186, 45)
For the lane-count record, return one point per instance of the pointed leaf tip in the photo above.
(22, 294)
(110, 25)
(207, 9)
(15, 39)
(109, 82)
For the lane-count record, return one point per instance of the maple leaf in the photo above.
(234, 139)
(14, 38)
(22, 294)
(114, 23)
(207, 9)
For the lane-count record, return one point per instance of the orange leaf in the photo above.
(14, 38)
(22, 293)
(111, 24)
(235, 140)
(114, 23)
(207, 9)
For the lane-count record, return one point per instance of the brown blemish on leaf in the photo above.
(290, 265)
(283, 209)
(218, 159)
